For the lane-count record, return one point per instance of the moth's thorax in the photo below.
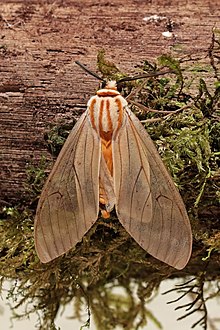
(106, 110)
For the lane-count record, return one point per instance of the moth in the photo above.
(107, 161)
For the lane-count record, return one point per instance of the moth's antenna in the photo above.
(88, 71)
(144, 76)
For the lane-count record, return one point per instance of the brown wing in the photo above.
(69, 203)
(147, 202)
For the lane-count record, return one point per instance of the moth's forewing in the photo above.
(148, 204)
(69, 203)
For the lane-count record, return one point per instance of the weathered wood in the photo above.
(38, 47)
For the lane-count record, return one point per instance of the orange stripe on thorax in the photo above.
(92, 113)
(108, 115)
(107, 92)
(120, 114)
(101, 117)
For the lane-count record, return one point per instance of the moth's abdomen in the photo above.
(106, 111)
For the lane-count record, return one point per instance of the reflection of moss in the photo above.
(189, 143)
(195, 290)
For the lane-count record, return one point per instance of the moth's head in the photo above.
(109, 84)
(108, 88)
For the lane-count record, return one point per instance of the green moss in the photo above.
(188, 140)
(56, 136)
(108, 69)
(35, 178)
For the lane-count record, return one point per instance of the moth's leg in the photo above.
(103, 201)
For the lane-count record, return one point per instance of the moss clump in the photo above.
(186, 131)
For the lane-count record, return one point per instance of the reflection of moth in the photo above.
(109, 160)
